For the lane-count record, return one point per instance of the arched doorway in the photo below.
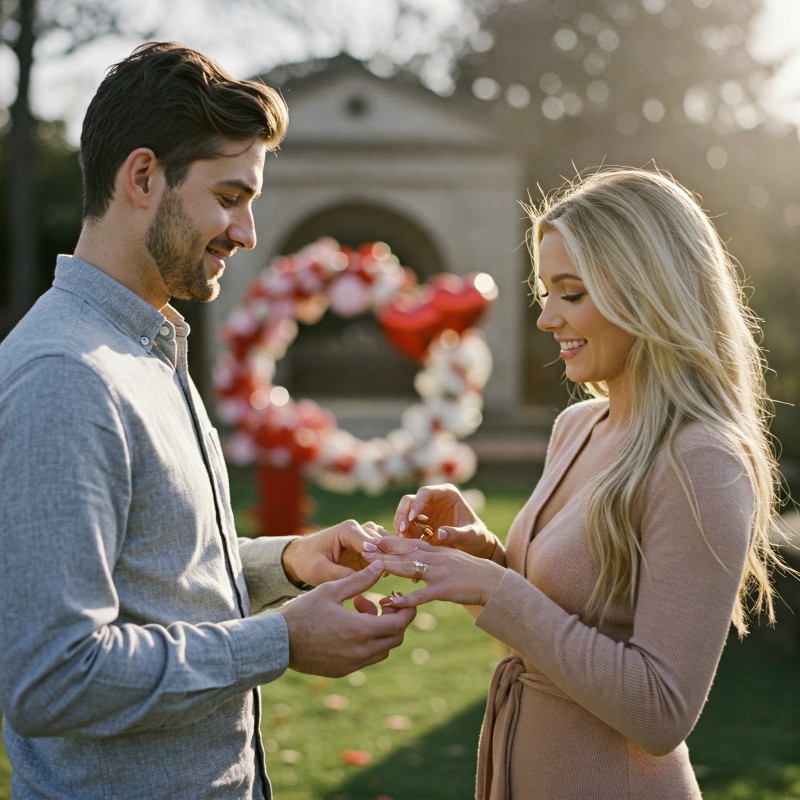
(350, 357)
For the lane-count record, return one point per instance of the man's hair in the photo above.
(176, 102)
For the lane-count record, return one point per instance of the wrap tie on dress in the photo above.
(500, 722)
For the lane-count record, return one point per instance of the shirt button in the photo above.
(145, 341)
(164, 331)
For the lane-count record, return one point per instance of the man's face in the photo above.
(205, 219)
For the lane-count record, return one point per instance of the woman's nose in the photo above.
(548, 320)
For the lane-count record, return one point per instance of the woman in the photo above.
(649, 526)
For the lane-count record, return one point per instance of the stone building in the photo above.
(373, 159)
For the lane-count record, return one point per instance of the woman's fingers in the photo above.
(398, 600)
(415, 566)
(374, 528)
(395, 546)
(473, 539)
(401, 514)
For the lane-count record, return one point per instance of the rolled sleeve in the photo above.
(266, 579)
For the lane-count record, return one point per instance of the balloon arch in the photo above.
(292, 442)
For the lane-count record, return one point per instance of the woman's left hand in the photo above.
(449, 574)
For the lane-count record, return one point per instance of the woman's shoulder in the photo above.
(575, 419)
(581, 413)
(700, 435)
(701, 447)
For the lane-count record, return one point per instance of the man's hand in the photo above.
(327, 555)
(327, 639)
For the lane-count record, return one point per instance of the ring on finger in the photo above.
(419, 570)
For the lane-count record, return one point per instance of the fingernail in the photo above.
(403, 525)
(370, 547)
(368, 554)
(412, 514)
(397, 597)
(441, 535)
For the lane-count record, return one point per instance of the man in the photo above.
(130, 658)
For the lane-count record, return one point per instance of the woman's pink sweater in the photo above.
(600, 712)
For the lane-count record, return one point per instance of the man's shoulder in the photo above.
(63, 326)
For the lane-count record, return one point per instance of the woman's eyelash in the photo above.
(570, 298)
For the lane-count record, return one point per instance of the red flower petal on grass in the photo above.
(358, 758)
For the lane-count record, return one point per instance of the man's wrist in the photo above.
(292, 576)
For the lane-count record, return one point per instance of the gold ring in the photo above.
(422, 523)
(419, 570)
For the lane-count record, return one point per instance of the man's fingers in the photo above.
(364, 606)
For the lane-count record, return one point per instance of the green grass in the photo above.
(415, 717)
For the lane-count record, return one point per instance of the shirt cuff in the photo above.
(261, 646)
(264, 575)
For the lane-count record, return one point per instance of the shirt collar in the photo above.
(128, 312)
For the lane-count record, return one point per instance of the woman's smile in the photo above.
(593, 348)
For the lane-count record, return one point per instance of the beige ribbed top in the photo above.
(601, 713)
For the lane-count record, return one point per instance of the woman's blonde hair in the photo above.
(654, 265)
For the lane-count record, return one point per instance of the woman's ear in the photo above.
(142, 178)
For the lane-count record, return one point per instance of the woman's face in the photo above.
(594, 349)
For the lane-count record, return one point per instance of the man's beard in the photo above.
(172, 242)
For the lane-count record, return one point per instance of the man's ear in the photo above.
(142, 178)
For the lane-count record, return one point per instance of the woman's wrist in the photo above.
(488, 579)
(499, 554)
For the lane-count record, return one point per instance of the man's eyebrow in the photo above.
(242, 186)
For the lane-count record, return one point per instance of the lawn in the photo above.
(407, 728)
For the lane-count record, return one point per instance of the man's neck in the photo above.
(103, 244)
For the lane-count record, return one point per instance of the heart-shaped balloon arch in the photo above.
(293, 441)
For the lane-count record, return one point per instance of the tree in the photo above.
(274, 31)
(24, 22)
(573, 84)
(22, 227)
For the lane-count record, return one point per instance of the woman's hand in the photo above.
(441, 515)
(329, 554)
(449, 574)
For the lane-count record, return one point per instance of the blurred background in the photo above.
(423, 123)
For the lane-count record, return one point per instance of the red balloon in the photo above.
(459, 301)
(411, 324)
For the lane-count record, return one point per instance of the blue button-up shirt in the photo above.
(129, 658)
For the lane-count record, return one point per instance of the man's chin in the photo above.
(200, 294)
